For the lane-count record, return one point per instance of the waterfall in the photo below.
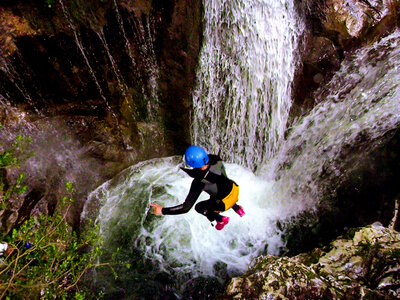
(121, 82)
(243, 94)
(122, 29)
(241, 104)
(241, 107)
(17, 81)
(152, 68)
(356, 110)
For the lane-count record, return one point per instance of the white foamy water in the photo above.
(186, 243)
(243, 94)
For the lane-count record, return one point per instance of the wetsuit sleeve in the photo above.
(194, 193)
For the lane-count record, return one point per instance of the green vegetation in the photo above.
(53, 262)
(10, 158)
(45, 258)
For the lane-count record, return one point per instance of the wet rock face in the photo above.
(12, 27)
(122, 61)
(333, 28)
(108, 80)
(178, 42)
(363, 264)
(354, 19)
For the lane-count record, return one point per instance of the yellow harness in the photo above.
(232, 198)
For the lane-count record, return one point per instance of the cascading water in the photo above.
(17, 81)
(357, 108)
(243, 94)
(355, 111)
(121, 82)
(151, 67)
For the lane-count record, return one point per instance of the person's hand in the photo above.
(157, 209)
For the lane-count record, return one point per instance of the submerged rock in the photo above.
(362, 266)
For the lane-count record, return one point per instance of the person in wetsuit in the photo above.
(209, 176)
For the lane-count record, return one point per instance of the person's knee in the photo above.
(199, 208)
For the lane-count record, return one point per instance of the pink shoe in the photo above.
(221, 225)
(240, 211)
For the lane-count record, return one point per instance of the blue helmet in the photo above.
(196, 156)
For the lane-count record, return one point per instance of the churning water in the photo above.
(186, 243)
(356, 109)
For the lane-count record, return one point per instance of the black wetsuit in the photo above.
(213, 181)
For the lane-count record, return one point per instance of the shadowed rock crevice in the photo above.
(115, 76)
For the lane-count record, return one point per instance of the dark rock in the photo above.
(349, 268)
(333, 28)
(109, 81)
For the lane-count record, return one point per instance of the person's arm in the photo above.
(194, 193)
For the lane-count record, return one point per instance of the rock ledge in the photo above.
(362, 265)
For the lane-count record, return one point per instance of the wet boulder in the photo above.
(333, 29)
(364, 264)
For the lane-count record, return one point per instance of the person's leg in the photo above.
(235, 207)
(238, 209)
(208, 208)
